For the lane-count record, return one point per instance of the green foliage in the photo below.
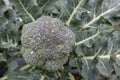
(97, 47)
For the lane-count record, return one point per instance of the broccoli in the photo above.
(47, 43)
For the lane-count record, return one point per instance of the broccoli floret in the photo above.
(55, 64)
(46, 41)
(31, 57)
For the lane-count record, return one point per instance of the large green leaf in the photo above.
(28, 10)
(12, 66)
(88, 70)
(104, 67)
(117, 69)
(2, 57)
(3, 8)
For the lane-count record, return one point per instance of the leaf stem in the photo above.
(80, 42)
(35, 2)
(73, 13)
(42, 77)
(21, 69)
(98, 17)
(31, 17)
(44, 5)
(102, 56)
(4, 78)
(24, 67)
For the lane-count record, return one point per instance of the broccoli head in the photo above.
(46, 42)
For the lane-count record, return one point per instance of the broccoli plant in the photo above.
(59, 39)
(46, 42)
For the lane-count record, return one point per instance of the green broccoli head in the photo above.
(46, 42)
